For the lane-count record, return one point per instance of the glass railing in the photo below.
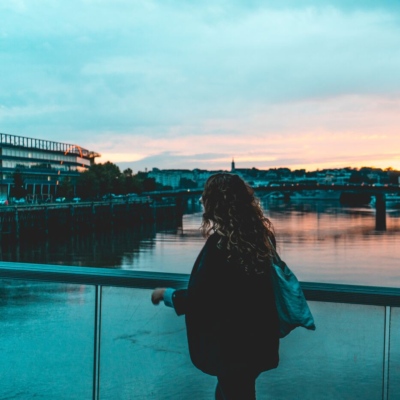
(81, 333)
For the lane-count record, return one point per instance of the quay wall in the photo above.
(64, 219)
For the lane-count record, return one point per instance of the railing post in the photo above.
(386, 354)
(97, 339)
(16, 218)
(72, 218)
(93, 216)
(46, 220)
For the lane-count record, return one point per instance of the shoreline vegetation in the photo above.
(102, 181)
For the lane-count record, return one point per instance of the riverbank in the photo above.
(27, 222)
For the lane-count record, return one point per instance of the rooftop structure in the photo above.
(42, 165)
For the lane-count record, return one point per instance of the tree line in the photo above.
(103, 179)
(97, 181)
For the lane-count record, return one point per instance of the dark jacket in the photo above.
(231, 317)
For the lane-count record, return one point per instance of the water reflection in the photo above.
(322, 241)
(99, 249)
(46, 341)
(326, 242)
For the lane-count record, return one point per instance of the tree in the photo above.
(102, 179)
(149, 185)
(128, 172)
(130, 183)
(108, 177)
(88, 185)
(66, 188)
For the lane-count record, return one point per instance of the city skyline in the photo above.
(297, 84)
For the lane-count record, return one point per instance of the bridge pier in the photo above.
(380, 212)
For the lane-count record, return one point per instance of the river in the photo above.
(46, 330)
(321, 241)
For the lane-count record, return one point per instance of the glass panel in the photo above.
(144, 354)
(342, 359)
(394, 356)
(46, 340)
(144, 351)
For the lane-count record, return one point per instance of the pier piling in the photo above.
(380, 213)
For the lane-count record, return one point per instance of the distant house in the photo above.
(183, 178)
(170, 177)
(179, 178)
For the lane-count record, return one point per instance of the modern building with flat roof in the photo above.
(42, 165)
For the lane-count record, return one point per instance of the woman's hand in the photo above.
(157, 296)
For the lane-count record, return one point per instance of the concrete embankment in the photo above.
(25, 221)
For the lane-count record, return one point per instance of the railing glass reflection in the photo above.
(394, 355)
(46, 340)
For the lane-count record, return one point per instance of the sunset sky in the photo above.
(180, 84)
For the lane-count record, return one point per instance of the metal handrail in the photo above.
(324, 292)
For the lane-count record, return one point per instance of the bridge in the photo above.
(378, 192)
(290, 187)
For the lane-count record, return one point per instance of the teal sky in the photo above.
(170, 84)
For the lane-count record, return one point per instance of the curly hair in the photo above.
(232, 210)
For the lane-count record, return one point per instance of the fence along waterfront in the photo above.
(23, 221)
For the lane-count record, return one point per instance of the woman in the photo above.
(231, 317)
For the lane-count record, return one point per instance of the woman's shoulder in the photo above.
(214, 237)
(215, 240)
(214, 246)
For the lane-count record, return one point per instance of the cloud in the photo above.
(338, 131)
(160, 81)
(170, 160)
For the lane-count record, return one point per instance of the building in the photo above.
(40, 166)
(181, 178)
(170, 177)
